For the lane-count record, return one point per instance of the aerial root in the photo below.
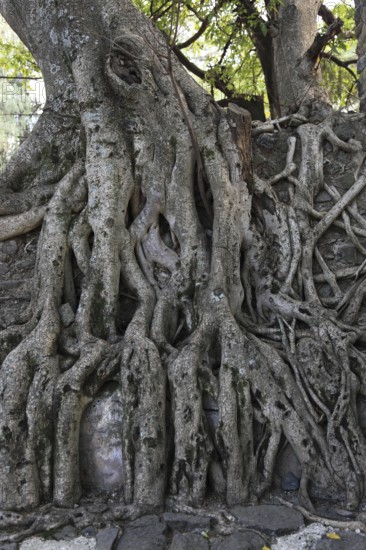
(352, 525)
(71, 403)
(12, 226)
(192, 446)
(143, 399)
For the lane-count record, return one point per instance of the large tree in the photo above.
(144, 190)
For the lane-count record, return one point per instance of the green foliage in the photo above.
(15, 59)
(226, 48)
(340, 84)
(224, 51)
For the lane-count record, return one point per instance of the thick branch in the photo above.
(326, 14)
(204, 25)
(321, 40)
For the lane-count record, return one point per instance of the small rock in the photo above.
(323, 196)
(186, 522)
(269, 518)
(145, 533)
(67, 315)
(290, 482)
(239, 541)
(101, 458)
(66, 533)
(189, 541)
(106, 538)
(9, 546)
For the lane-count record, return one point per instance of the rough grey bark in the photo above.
(297, 76)
(152, 202)
(360, 19)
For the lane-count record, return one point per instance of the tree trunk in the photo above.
(265, 51)
(360, 14)
(147, 205)
(297, 75)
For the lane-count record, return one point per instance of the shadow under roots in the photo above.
(127, 305)
(203, 199)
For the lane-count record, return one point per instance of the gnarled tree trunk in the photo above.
(147, 204)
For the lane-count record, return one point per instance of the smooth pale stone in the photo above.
(101, 460)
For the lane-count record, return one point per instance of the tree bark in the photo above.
(153, 202)
(297, 76)
(360, 14)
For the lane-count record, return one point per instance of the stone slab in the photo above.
(269, 518)
(239, 541)
(145, 533)
(189, 541)
(106, 538)
(186, 522)
(347, 541)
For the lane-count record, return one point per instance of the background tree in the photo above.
(360, 14)
(145, 193)
(243, 37)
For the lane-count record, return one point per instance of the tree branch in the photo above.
(251, 17)
(160, 11)
(219, 83)
(326, 14)
(339, 62)
(205, 23)
(321, 40)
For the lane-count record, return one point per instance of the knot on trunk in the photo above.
(126, 65)
(125, 68)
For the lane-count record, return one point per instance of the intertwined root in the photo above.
(156, 216)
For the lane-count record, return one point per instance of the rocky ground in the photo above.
(106, 525)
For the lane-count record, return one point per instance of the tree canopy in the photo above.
(220, 43)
